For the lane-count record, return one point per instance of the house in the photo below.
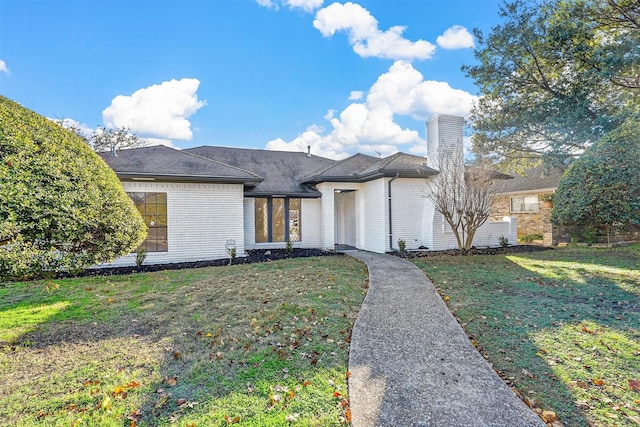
(528, 198)
(196, 202)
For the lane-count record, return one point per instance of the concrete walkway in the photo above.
(412, 364)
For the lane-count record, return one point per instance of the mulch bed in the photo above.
(472, 252)
(266, 255)
(253, 256)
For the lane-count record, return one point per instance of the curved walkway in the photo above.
(412, 364)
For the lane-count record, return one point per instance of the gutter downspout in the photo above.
(390, 210)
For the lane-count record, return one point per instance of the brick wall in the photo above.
(200, 219)
(528, 222)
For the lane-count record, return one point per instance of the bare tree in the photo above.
(462, 195)
(104, 138)
(110, 139)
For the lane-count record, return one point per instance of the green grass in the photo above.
(255, 345)
(561, 326)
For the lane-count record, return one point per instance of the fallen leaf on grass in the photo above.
(336, 394)
(181, 401)
(171, 381)
(548, 416)
(234, 420)
(634, 384)
(177, 355)
(106, 404)
(598, 382)
(119, 391)
(347, 375)
(292, 418)
(306, 383)
(527, 374)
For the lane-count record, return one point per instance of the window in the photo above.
(277, 219)
(153, 208)
(524, 204)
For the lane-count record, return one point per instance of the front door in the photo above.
(345, 217)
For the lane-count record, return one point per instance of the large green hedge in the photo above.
(61, 207)
(602, 188)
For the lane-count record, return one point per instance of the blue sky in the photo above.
(342, 77)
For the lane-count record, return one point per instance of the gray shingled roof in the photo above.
(538, 178)
(281, 170)
(362, 168)
(164, 163)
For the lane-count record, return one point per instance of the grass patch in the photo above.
(257, 345)
(561, 326)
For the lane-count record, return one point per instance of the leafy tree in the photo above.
(555, 77)
(603, 186)
(61, 206)
(462, 196)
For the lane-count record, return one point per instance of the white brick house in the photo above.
(196, 200)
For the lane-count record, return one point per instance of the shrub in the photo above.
(141, 255)
(528, 238)
(402, 246)
(289, 246)
(503, 241)
(61, 207)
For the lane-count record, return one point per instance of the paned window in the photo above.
(277, 219)
(153, 208)
(524, 204)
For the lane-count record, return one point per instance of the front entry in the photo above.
(345, 217)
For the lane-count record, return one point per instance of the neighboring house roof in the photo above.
(533, 180)
(362, 168)
(167, 164)
(281, 170)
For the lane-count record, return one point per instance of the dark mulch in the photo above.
(253, 256)
(265, 255)
(472, 252)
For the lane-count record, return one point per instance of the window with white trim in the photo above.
(520, 204)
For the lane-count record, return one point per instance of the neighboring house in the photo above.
(197, 201)
(526, 197)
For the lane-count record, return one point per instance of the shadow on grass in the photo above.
(555, 324)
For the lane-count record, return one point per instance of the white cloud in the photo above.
(370, 126)
(269, 4)
(160, 110)
(365, 37)
(68, 123)
(456, 37)
(3, 67)
(355, 95)
(305, 5)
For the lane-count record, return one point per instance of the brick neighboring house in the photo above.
(523, 197)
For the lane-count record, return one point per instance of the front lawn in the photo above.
(255, 345)
(562, 326)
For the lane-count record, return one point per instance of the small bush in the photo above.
(402, 246)
(503, 241)
(528, 238)
(289, 247)
(141, 255)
